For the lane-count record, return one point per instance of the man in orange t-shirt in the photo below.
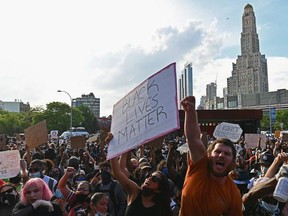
(208, 190)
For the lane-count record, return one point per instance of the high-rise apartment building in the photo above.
(185, 83)
(211, 91)
(89, 101)
(249, 74)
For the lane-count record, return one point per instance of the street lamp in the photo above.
(71, 106)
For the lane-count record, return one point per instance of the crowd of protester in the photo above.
(55, 179)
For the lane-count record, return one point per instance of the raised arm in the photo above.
(123, 163)
(131, 188)
(278, 161)
(192, 129)
(62, 184)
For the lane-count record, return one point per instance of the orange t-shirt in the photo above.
(202, 195)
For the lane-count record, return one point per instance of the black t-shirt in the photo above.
(22, 210)
(137, 208)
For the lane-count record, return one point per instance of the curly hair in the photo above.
(39, 183)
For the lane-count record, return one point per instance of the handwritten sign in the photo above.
(54, 134)
(149, 111)
(9, 164)
(36, 135)
(228, 130)
(252, 140)
(285, 137)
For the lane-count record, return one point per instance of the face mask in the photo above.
(99, 214)
(269, 207)
(106, 177)
(81, 198)
(35, 175)
(15, 180)
(9, 199)
(264, 169)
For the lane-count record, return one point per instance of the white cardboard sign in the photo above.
(228, 130)
(9, 164)
(149, 111)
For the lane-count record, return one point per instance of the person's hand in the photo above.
(188, 103)
(43, 203)
(234, 174)
(23, 164)
(283, 172)
(109, 137)
(70, 171)
(96, 178)
(282, 157)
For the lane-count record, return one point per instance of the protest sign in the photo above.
(36, 135)
(228, 130)
(9, 164)
(252, 140)
(183, 148)
(149, 111)
(285, 137)
(54, 134)
(77, 142)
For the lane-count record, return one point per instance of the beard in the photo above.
(219, 174)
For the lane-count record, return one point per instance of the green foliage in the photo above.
(10, 123)
(90, 121)
(281, 116)
(56, 114)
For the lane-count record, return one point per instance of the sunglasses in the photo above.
(33, 170)
(154, 178)
(7, 191)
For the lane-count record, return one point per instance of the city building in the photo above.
(185, 83)
(90, 101)
(249, 73)
(14, 106)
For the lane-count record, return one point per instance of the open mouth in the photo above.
(220, 163)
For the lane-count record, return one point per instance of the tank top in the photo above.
(137, 208)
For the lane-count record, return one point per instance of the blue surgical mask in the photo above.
(35, 175)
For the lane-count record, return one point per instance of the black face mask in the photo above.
(15, 180)
(82, 198)
(9, 199)
(106, 177)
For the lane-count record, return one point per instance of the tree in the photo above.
(90, 121)
(9, 123)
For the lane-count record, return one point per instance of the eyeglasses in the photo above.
(154, 178)
(33, 170)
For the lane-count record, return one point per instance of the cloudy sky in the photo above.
(109, 47)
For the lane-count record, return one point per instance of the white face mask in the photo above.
(263, 170)
(269, 207)
(99, 214)
(35, 175)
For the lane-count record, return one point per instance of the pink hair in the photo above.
(39, 183)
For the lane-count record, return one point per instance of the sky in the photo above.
(109, 47)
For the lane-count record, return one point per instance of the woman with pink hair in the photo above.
(35, 200)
